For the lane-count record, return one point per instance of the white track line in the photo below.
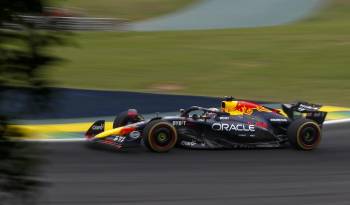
(330, 122)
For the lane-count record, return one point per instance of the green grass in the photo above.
(309, 60)
(128, 9)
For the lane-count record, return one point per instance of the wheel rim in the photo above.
(309, 136)
(162, 138)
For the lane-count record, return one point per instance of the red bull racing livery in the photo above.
(237, 124)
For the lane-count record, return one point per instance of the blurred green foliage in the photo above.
(23, 57)
(306, 60)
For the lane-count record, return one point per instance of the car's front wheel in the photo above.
(304, 134)
(159, 136)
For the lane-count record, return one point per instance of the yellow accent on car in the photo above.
(107, 133)
(228, 105)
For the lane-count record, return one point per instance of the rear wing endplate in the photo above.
(304, 109)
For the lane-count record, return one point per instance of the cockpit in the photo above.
(199, 113)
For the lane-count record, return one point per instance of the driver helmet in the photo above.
(212, 112)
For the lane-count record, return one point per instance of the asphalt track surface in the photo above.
(79, 175)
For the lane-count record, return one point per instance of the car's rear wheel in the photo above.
(128, 117)
(159, 136)
(304, 134)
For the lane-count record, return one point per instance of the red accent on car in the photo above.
(108, 141)
(243, 106)
(262, 124)
(276, 111)
(126, 130)
(112, 143)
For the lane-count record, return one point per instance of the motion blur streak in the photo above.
(85, 176)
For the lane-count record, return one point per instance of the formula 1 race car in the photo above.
(237, 124)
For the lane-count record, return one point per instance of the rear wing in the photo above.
(310, 111)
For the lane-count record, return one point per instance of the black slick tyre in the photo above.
(159, 136)
(304, 134)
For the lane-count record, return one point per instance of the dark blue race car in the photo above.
(237, 124)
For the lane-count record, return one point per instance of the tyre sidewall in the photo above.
(150, 139)
(295, 134)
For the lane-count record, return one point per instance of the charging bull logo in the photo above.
(243, 108)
